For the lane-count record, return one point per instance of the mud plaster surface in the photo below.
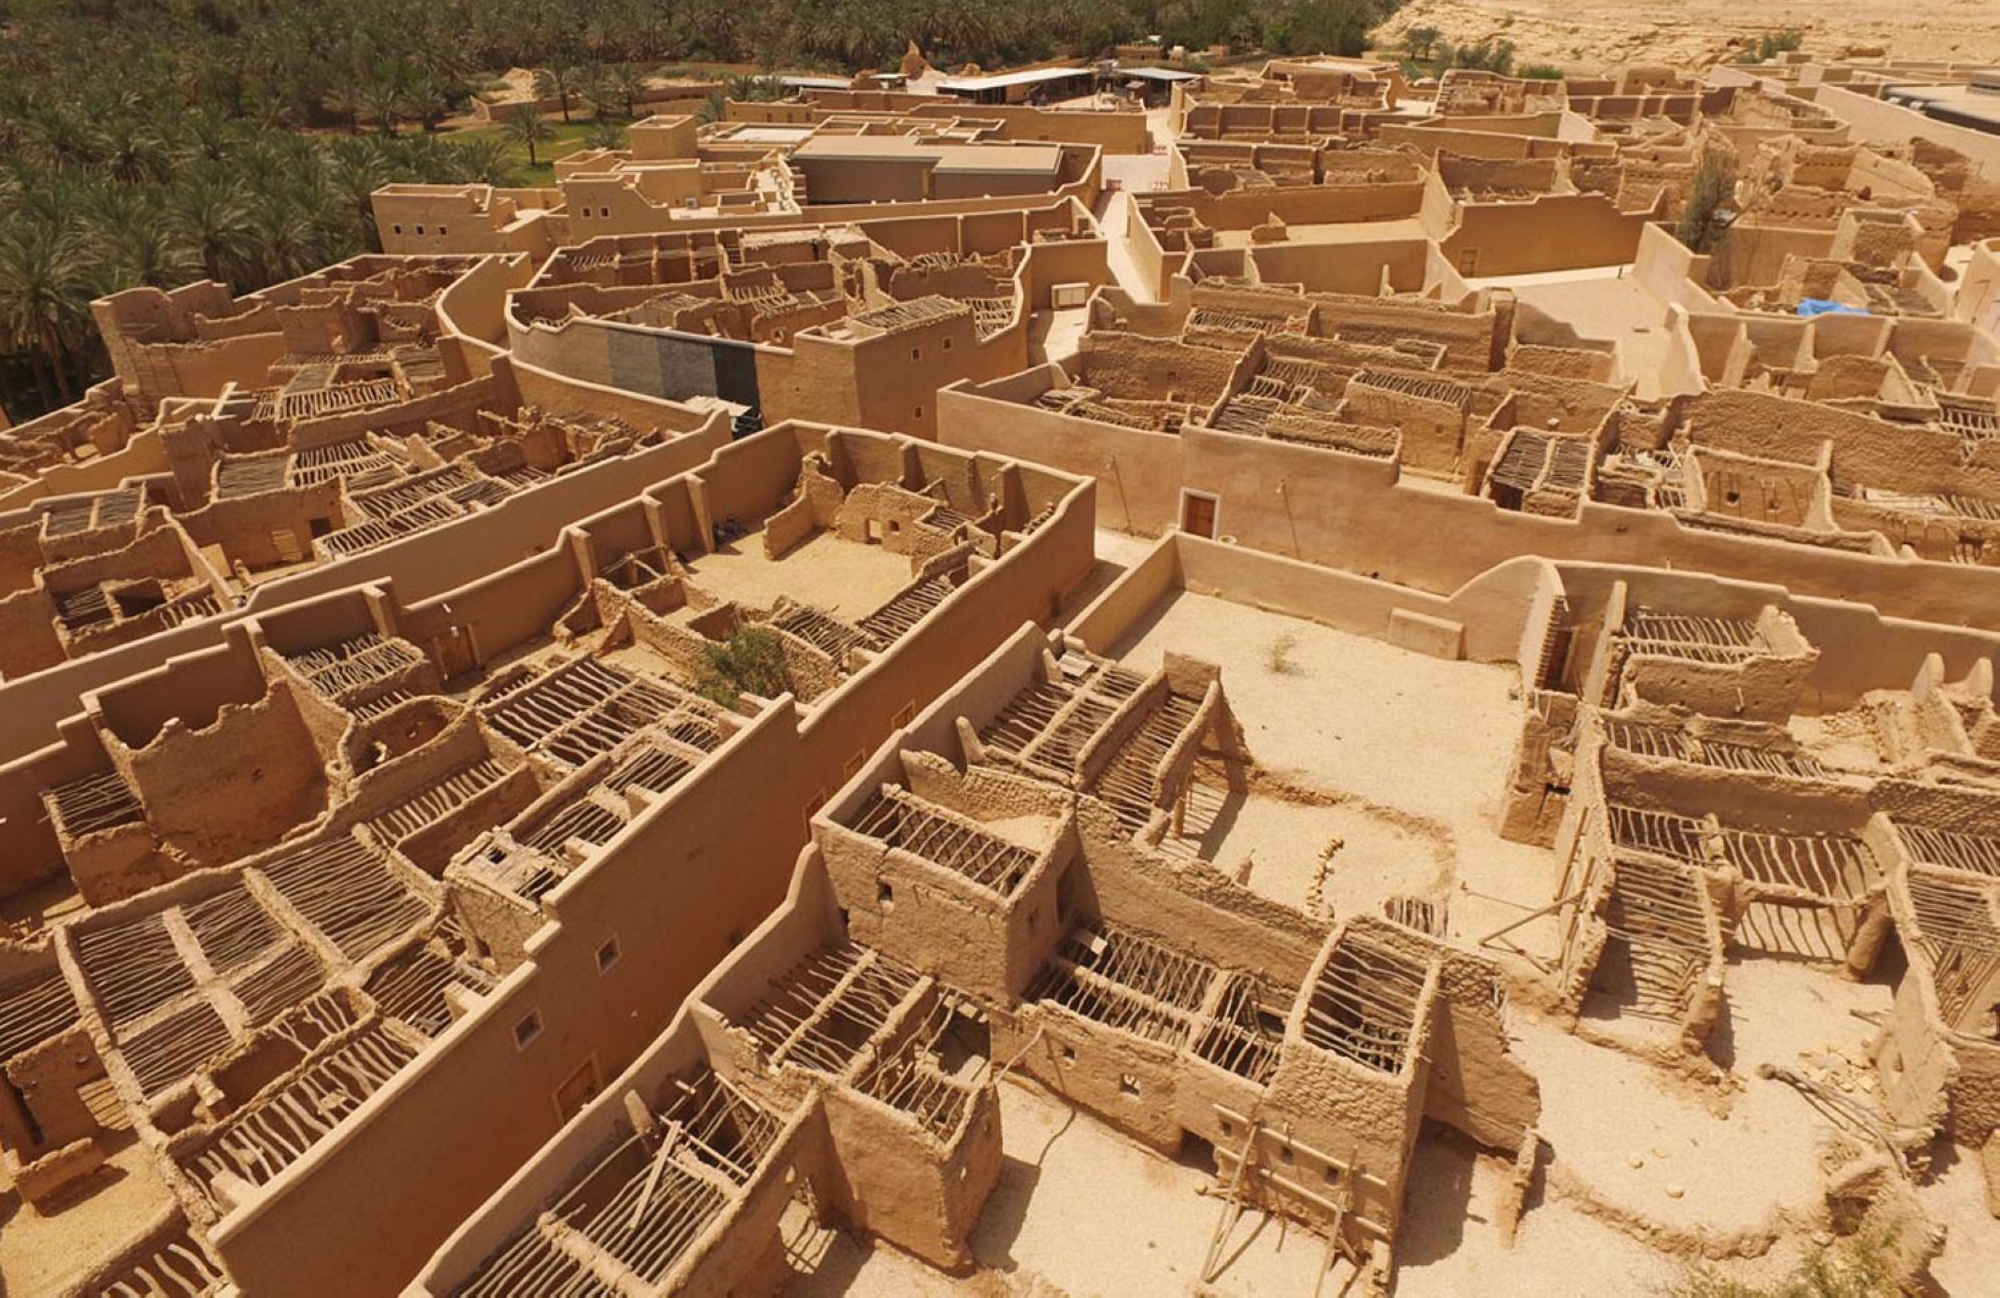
(1602, 307)
(1082, 1211)
(846, 579)
(1088, 1212)
(1426, 740)
(39, 1254)
(1274, 845)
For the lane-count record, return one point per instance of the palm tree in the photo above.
(127, 228)
(557, 81)
(144, 249)
(604, 133)
(45, 293)
(382, 99)
(358, 166)
(427, 100)
(213, 216)
(629, 81)
(205, 135)
(481, 158)
(132, 150)
(524, 125)
(594, 81)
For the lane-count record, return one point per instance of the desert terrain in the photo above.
(1697, 33)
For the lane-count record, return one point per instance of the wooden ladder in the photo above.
(1232, 1206)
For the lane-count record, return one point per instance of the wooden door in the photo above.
(453, 653)
(577, 1090)
(1198, 515)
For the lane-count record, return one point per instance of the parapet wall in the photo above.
(708, 878)
(1350, 512)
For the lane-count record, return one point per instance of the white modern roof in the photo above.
(1027, 76)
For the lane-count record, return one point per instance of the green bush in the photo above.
(1709, 193)
(1487, 56)
(1771, 44)
(1541, 72)
(750, 661)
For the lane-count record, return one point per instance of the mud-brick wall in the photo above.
(1866, 451)
(1135, 368)
(890, 1177)
(1433, 432)
(235, 787)
(1347, 1109)
(361, 1213)
(1129, 1081)
(1345, 268)
(896, 377)
(1914, 1061)
(1555, 232)
(1475, 1084)
(510, 608)
(927, 916)
(28, 640)
(1024, 586)
(269, 528)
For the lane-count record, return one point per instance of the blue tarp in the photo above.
(1820, 306)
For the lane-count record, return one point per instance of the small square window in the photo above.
(947, 344)
(607, 956)
(1069, 1054)
(885, 896)
(441, 232)
(916, 353)
(396, 229)
(1128, 1084)
(527, 1029)
(920, 412)
(420, 229)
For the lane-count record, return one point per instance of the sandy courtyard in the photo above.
(1418, 748)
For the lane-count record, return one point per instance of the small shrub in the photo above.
(1278, 655)
(1713, 186)
(1771, 44)
(751, 660)
(1541, 72)
(1496, 57)
(1860, 1266)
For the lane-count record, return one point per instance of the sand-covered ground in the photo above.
(1591, 34)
